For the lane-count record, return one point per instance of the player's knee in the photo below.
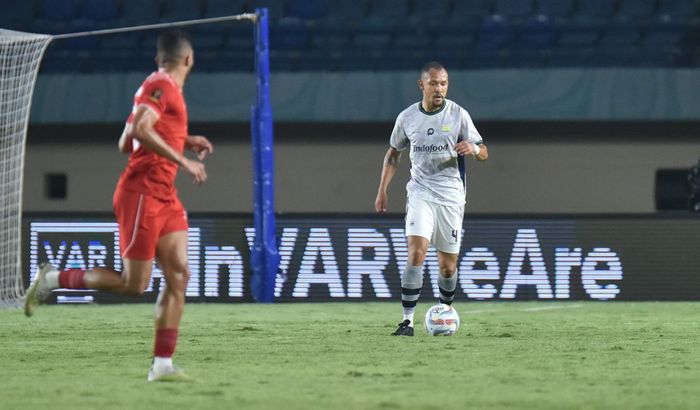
(177, 278)
(416, 256)
(134, 289)
(448, 272)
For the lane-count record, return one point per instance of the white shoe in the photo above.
(39, 290)
(168, 374)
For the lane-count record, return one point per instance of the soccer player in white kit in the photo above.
(440, 135)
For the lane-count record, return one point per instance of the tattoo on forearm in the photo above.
(391, 161)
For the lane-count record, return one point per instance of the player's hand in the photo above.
(195, 169)
(464, 148)
(200, 146)
(381, 202)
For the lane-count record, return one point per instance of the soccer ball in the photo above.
(441, 320)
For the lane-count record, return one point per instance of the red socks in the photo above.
(72, 279)
(165, 342)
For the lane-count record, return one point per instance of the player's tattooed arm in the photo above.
(391, 163)
(392, 158)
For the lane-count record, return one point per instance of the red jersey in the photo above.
(147, 172)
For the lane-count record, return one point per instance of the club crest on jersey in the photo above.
(431, 131)
(156, 94)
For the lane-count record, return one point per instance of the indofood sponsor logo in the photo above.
(429, 149)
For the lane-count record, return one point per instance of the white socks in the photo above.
(160, 363)
(408, 314)
(52, 279)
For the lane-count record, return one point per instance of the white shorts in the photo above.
(440, 224)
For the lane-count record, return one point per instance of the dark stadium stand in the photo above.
(378, 34)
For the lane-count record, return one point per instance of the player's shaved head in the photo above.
(433, 83)
(173, 47)
(433, 65)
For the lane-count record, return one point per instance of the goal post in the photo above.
(264, 255)
(20, 57)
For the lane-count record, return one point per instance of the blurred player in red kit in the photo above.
(152, 221)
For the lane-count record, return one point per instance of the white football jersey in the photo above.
(438, 174)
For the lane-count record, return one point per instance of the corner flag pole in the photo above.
(264, 255)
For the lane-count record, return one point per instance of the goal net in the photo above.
(20, 57)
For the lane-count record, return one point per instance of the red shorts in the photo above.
(143, 220)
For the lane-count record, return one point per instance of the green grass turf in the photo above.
(340, 356)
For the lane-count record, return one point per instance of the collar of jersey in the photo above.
(442, 107)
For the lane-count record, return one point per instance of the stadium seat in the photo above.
(148, 44)
(538, 32)
(308, 10)
(495, 32)
(176, 10)
(635, 10)
(239, 37)
(400, 59)
(410, 39)
(17, 15)
(218, 8)
(346, 13)
(662, 37)
(620, 36)
(555, 9)
(672, 23)
(513, 9)
(392, 11)
(111, 60)
(57, 60)
(433, 13)
(121, 41)
(367, 40)
(649, 56)
(455, 39)
(81, 44)
(313, 60)
(288, 35)
(208, 37)
(58, 10)
(593, 12)
(136, 12)
(679, 9)
(228, 60)
(585, 26)
(476, 8)
(100, 10)
(572, 36)
(330, 39)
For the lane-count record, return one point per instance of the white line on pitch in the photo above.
(532, 309)
(536, 309)
(475, 312)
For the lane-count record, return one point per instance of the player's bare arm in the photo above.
(124, 144)
(391, 163)
(469, 148)
(144, 121)
(199, 145)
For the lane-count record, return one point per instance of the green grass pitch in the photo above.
(529, 355)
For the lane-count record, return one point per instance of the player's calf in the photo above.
(447, 286)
